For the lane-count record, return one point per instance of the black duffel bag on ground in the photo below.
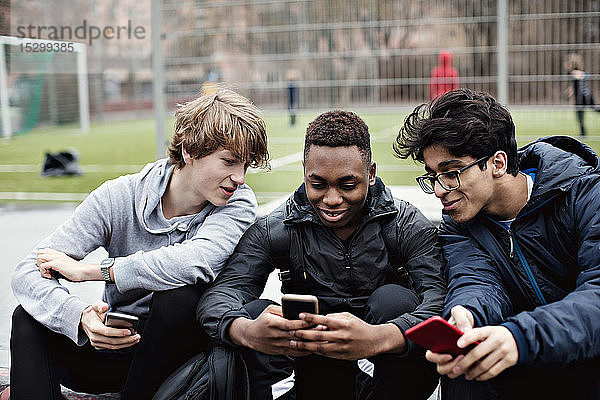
(219, 374)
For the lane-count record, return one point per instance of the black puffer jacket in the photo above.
(321, 265)
(543, 275)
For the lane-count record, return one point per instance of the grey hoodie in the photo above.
(152, 253)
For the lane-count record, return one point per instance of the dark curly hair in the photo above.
(339, 128)
(465, 122)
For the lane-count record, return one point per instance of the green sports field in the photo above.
(111, 149)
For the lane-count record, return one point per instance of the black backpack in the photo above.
(60, 164)
(278, 236)
(219, 374)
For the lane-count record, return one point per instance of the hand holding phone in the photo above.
(121, 320)
(294, 304)
(437, 335)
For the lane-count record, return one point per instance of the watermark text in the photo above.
(84, 31)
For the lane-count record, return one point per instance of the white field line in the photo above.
(385, 134)
(276, 163)
(91, 168)
(400, 168)
(42, 196)
(281, 164)
(379, 136)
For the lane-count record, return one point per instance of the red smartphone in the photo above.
(437, 335)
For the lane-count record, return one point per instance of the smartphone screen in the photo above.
(294, 304)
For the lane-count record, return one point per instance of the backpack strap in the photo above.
(389, 230)
(279, 237)
(228, 377)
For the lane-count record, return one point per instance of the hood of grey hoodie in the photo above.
(149, 186)
(153, 182)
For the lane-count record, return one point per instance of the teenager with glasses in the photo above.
(449, 180)
(520, 231)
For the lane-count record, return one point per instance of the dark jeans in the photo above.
(580, 115)
(316, 377)
(577, 381)
(579, 111)
(42, 359)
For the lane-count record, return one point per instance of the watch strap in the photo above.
(105, 266)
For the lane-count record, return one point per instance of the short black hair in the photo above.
(339, 128)
(465, 122)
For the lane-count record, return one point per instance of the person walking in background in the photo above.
(444, 76)
(168, 231)
(580, 89)
(292, 77)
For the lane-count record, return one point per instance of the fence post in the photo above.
(83, 88)
(502, 50)
(158, 83)
(6, 128)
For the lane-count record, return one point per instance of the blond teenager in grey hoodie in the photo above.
(168, 230)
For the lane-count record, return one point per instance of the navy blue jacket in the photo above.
(540, 278)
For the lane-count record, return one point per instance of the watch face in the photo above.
(108, 261)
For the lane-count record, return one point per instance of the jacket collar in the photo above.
(559, 160)
(379, 202)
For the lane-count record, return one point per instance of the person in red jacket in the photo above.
(444, 76)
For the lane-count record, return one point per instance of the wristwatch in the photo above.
(105, 265)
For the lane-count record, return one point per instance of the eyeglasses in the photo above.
(448, 180)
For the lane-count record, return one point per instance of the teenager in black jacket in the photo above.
(334, 229)
(521, 236)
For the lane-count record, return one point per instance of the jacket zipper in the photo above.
(346, 251)
(515, 246)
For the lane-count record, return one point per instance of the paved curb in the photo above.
(67, 393)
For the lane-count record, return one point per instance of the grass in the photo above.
(111, 149)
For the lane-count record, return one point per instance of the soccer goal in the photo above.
(42, 81)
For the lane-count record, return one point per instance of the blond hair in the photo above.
(574, 61)
(221, 119)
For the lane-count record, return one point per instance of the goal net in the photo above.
(42, 82)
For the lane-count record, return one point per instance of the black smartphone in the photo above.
(120, 320)
(57, 275)
(294, 304)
